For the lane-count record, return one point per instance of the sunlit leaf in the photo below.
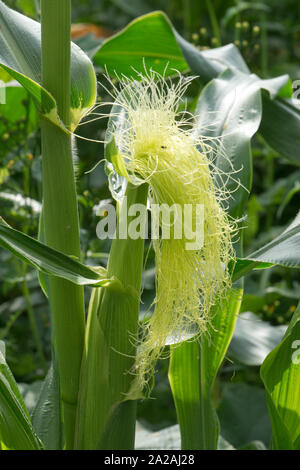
(284, 250)
(16, 431)
(20, 56)
(147, 41)
(48, 260)
(46, 416)
(280, 373)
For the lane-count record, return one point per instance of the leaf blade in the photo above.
(147, 40)
(48, 260)
(16, 431)
(46, 416)
(282, 251)
(280, 373)
(20, 56)
(192, 371)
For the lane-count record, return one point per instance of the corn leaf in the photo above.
(209, 64)
(193, 368)
(285, 140)
(280, 373)
(284, 250)
(254, 339)
(151, 40)
(20, 56)
(48, 260)
(16, 431)
(147, 41)
(280, 122)
(46, 416)
(162, 45)
(244, 416)
(229, 111)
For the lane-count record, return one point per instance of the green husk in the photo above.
(158, 146)
(107, 409)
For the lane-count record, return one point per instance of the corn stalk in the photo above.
(60, 212)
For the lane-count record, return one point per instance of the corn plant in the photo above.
(103, 362)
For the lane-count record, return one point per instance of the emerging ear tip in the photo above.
(163, 153)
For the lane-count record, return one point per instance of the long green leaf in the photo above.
(48, 260)
(20, 56)
(280, 373)
(280, 123)
(227, 116)
(286, 140)
(193, 368)
(151, 40)
(284, 250)
(254, 339)
(16, 431)
(161, 45)
(209, 64)
(46, 416)
(244, 416)
(147, 41)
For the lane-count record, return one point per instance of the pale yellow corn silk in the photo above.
(159, 148)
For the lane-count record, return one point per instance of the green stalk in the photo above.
(106, 417)
(61, 226)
